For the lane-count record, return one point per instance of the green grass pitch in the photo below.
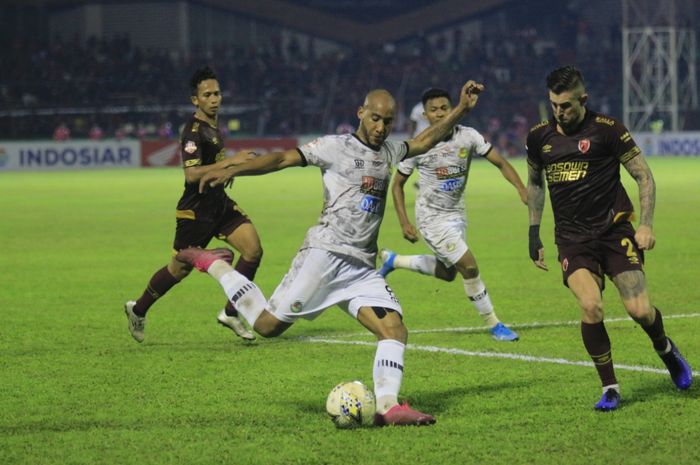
(76, 389)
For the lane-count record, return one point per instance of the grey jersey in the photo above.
(443, 174)
(355, 183)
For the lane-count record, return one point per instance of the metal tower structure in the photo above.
(659, 62)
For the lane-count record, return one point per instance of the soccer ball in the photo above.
(351, 404)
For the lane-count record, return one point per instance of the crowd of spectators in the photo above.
(110, 88)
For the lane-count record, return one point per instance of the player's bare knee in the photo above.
(592, 309)
(641, 312)
(390, 324)
(469, 272)
(252, 255)
(268, 326)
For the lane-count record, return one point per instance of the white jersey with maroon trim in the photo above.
(355, 183)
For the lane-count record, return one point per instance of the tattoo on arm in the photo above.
(638, 168)
(535, 194)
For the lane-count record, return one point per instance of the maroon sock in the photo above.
(597, 343)
(160, 283)
(656, 332)
(248, 270)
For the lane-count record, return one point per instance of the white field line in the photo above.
(504, 355)
(483, 329)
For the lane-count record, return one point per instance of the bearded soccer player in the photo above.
(336, 263)
(579, 153)
(202, 217)
(440, 209)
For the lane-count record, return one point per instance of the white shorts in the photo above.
(446, 239)
(318, 279)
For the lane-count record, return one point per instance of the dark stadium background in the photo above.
(292, 67)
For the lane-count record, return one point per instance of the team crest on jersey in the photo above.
(190, 147)
(565, 264)
(463, 152)
(584, 145)
(215, 140)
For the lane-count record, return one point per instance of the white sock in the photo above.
(423, 264)
(243, 293)
(479, 296)
(388, 373)
(611, 386)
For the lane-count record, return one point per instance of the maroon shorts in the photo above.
(610, 254)
(198, 233)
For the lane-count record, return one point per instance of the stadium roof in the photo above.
(346, 21)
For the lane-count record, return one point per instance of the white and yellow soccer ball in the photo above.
(351, 404)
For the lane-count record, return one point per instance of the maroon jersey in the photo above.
(583, 174)
(201, 144)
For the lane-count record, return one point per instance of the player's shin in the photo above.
(479, 296)
(241, 292)
(388, 373)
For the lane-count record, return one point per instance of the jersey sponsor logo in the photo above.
(452, 185)
(450, 172)
(584, 145)
(377, 163)
(566, 171)
(546, 148)
(190, 147)
(193, 162)
(359, 164)
(604, 120)
(374, 186)
(372, 204)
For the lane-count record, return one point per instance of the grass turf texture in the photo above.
(77, 389)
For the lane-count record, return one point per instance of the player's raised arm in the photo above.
(438, 131)
(273, 161)
(397, 192)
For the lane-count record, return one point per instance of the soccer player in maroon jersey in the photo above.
(202, 217)
(579, 153)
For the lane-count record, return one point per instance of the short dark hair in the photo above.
(201, 74)
(434, 92)
(564, 79)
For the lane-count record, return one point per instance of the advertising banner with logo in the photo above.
(668, 143)
(67, 155)
(167, 153)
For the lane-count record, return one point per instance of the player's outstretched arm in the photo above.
(638, 168)
(273, 161)
(508, 172)
(535, 206)
(397, 191)
(438, 131)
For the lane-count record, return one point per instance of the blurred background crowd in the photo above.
(282, 83)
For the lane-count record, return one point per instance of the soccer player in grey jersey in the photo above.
(336, 263)
(440, 209)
